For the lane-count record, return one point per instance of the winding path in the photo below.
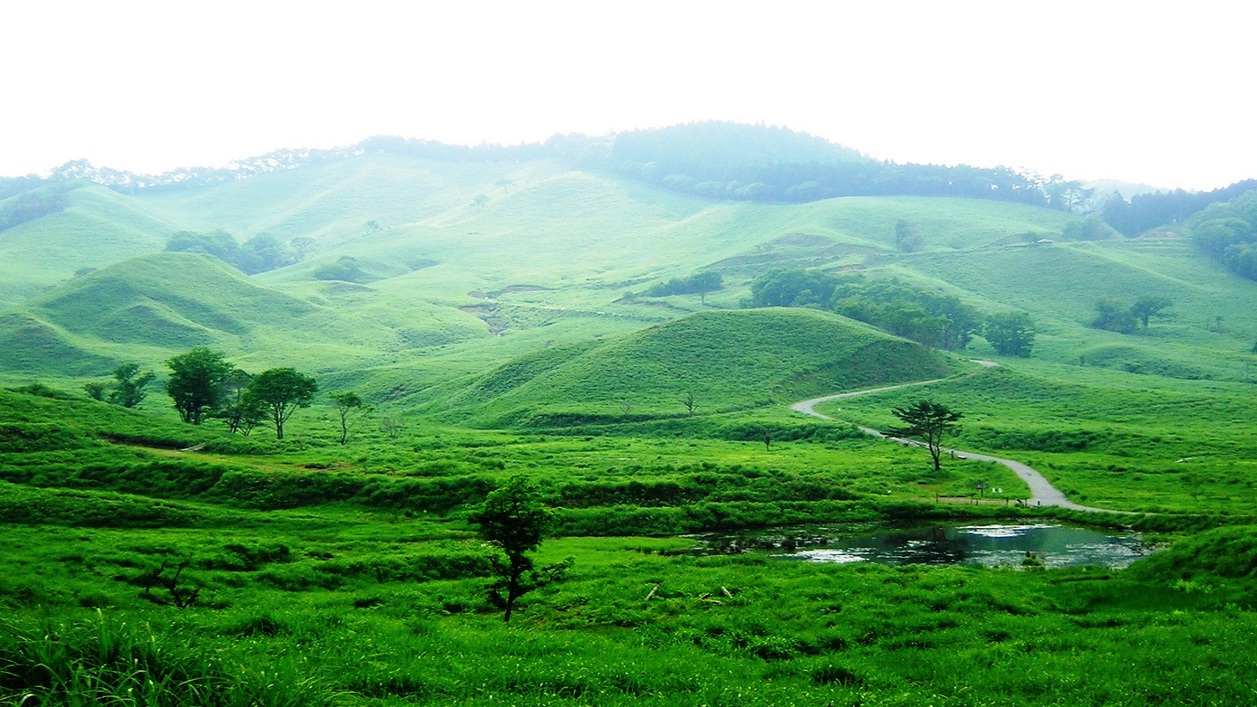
(1042, 493)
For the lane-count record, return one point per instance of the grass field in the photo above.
(500, 327)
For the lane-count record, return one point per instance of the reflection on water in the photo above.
(1053, 544)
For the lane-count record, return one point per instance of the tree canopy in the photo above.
(195, 382)
(927, 421)
(929, 318)
(280, 392)
(261, 253)
(1010, 333)
(514, 520)
(1228, 233)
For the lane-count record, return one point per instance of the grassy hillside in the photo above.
(726, 360)
(145, 309)
(1208, 332)
(1108, 438)
(97, 227)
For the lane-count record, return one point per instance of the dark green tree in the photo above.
(698, 283)
(926, 421)
(236, 408)
(1010, 334)
(907, 237)
(1147, 306)
(352, 410)
(195, 384)
(1114, 315)
(705, 282)
(129, 385)
(514, 520)
(689, 403)
(280, 391)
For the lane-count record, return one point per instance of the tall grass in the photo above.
(104, 660)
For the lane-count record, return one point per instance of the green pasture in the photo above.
(336, 607)
(499, 326)
(1110, 439)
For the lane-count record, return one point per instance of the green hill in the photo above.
(726, 360)
(97, 227)
(151, 307)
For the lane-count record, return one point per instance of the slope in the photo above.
(149, 307)
(725, 360)
(1207, 333)
(97, 227)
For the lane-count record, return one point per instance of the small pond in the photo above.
(1054, 544)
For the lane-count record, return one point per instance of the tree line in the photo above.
(203, 385)
(1147, 211)
(1227, 231)
(765, 164)
(261, 253)
(712, 159)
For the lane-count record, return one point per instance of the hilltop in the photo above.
(718, 361)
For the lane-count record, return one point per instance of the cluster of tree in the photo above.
(126, 389)
(580, 150)
(261, 253)
(1115, 314)
(1227, 231)
(204, 385)
(1089, 228)
(1010, 334)
(908, 237)
(929, 318)
(940, 321)
(32, 204)
(1147, 211)
(346, 268)
(713, 159)
(697, 284)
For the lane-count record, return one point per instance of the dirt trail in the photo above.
(1042, 493)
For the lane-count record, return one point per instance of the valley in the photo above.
(508, 316)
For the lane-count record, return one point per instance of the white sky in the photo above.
(1148, 91)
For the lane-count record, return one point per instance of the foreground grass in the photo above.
(714, 630)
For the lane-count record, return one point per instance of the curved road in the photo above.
(1042, 493)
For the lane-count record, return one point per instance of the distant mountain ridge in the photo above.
(712, 159)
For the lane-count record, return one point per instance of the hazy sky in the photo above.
(1140, 91)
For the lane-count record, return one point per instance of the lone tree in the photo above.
(689, 403)
(352, 409)
(196, 382)
(280, 391)
(513, 519)
(926, 420)
(705, 282)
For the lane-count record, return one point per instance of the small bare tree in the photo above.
(177, 596)
(688, 402)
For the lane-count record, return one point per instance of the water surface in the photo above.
(1054, 544)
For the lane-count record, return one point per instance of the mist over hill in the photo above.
(400, 259)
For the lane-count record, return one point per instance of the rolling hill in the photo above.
(147, 307)
(723, 361)
(420, 271)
